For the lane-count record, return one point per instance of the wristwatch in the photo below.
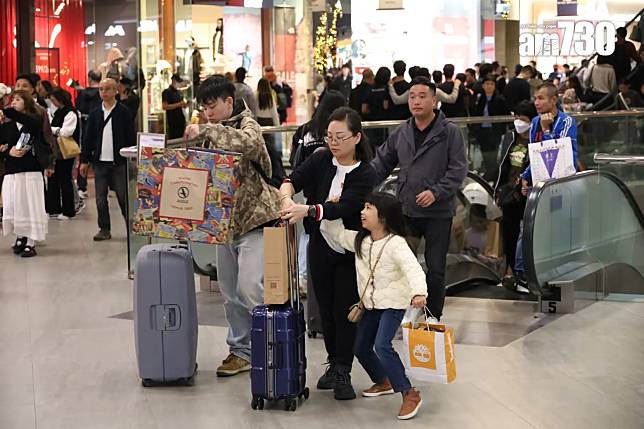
(312, 211)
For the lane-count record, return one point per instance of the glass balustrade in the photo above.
(586, 226)
(621, 131)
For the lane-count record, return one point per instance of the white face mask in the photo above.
(521, 126)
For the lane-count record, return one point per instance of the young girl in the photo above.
(389, 279)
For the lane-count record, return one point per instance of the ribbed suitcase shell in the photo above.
(165, 314)
(278, 362)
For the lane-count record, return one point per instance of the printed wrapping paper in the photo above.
(216, 225)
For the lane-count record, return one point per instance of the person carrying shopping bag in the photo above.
(389, 280)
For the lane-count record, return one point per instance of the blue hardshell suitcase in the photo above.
(278, 336)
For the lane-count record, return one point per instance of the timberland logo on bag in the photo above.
(422, 353)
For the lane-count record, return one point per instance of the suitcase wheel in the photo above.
(189, 381)
(290, 404)
(305, 393)
(257, 403)
(147, 382)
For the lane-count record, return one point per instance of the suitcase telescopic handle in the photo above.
(293, 271)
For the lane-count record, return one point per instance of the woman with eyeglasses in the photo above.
(339, 179)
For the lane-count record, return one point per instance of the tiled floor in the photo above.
(65, 362)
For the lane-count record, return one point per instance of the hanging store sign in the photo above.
(318, 5)
(390, 4)
(566, 7)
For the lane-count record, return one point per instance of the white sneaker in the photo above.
(82, 194)
(522, 289)
(63, 217)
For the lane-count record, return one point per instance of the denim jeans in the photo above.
(376, 330)
(240, 271)
(518, 256)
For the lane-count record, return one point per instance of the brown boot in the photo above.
(383, 388)
(232, 365)
(410, 405)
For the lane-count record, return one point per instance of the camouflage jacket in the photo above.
(257, 202)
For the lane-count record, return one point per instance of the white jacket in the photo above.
(398, 277)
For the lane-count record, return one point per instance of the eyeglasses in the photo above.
(331, 139)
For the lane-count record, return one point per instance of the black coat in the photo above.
(123, 134)
(10, 134)
(316, 175)
(497, 107)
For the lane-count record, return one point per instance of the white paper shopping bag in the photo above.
(551, 159)
(428, 352)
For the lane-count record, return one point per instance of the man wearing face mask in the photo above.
(507, 190)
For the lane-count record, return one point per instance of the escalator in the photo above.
(466, 267)
(584, 234)
(476, 221)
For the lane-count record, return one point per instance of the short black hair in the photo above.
(448, 71)
(29, 78)
(470, 71)
(424, 71)
(413, 71)
(529, 70)
(517, 69)
(94, 76)
(621, 32)
(63, 96)
(400, 67)
(382, 76)
(437, 75)
(489, 78)
(525, 108)
(214, 87)
(47, 85)
(353, 120)
(550, 87)
(126, 82)
(423, 80)
(240, 74)
(36, 77)
(486, 69)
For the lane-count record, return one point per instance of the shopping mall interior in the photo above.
(196, 305)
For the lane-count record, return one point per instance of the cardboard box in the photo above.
(276, 266)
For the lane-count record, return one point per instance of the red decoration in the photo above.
(8, 64)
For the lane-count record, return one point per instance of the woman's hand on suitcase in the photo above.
(295, 213)
(419, 301)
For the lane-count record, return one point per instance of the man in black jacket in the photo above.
(432, 156)
(488, 135)
(518, 89)
(109, 129)
(87, 101)
(460, 108)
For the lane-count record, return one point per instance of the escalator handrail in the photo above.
(531, 211)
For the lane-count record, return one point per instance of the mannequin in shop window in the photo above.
(114, 66)
(196, 62)
(218, 40)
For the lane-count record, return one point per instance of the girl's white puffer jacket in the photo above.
(398, 276)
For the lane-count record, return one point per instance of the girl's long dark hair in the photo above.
(390, 214)
(264, 94)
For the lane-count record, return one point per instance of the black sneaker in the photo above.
(19, 246)
(29, 252)
(327, 381)
(522, 286)
(343, 389)
(509, 283)
(102, 235)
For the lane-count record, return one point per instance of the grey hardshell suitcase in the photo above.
(165, 315)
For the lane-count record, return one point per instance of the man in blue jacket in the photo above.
(550, 124)
(432, 156)
(109, 129)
